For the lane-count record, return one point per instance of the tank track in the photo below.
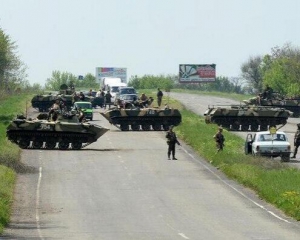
(244, 125)
(50, 140)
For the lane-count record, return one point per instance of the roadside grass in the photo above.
(272, 180)
(9, 154)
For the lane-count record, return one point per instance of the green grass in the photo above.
(9, 154)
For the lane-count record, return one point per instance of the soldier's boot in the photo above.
(295, 153)
(169, 157)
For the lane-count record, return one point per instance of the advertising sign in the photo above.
(102, 72)
(195, 73)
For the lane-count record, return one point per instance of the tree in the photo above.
(12, 69)
(58, 78)
(252, 72)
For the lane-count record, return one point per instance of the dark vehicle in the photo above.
(246, 118)
(44, 102)
(126, 100)
(85, 107)
(144, 118)
(93, 99)
(64, 133)
(277, 100)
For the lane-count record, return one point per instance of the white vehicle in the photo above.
(108, 81)
(268, 145)
(114, 89)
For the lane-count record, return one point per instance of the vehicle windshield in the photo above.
(114, 89)
(84, 105)
(269, 137)
(127, 91)
(129, 97)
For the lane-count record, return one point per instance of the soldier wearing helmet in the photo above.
(219, 139)
(172, 140)
(296, 141)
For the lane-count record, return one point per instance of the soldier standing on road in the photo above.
(108, 97)
(159, 97)
(172, 140)
(220, 139)
(296, 141)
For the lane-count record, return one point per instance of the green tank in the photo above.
(143, 118)
(246, 118)
(42, 102)
(277, 100)
(64, 133)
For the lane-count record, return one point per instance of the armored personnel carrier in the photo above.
(43, 102)
(277, 100)
(143, 118)
(64, 133)
(246, 118)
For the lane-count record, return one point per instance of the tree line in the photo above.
(280, 69)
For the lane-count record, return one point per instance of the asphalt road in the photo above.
(123, 187)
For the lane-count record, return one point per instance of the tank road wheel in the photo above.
(124, 127)
(135, 127)
(146, 127)
(24, 143)
(165, 127)
(156, 127)
(63, 145)
(51, 144)
(76, 145)
(37, 144)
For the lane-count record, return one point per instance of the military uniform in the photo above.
(220, 139)
(172, 140)
(296, 141)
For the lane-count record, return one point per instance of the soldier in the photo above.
(172, 140)
(219, 138)
(108, 97)
(296, 141)
(159, 97)
(57, 106)
(267, 93)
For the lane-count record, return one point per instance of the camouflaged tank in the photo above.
(246, 118)
(143, 118)
(43, 102)
(277, 100)
(64, 133)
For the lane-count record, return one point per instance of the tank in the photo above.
(64, 133)
(247, 118)
(145, 119)
(43, 102)
(277, 100)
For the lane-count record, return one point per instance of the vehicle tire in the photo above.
(37, 144)
(76, 145)
(146, 127)
(50, 144)
(63, 145)
(156, 127)
(135, 127)
(124, 127)
(165, 127)
(24, 143)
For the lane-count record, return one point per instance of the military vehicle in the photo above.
(43, 102)
(64, 133)
(143, 118)
(277, 100)
(246, 118)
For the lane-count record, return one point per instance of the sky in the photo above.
(145, 36)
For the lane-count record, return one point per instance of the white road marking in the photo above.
(182, 235)
(37, 204)
(232, 187)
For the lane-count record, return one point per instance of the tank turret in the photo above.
(246, 118)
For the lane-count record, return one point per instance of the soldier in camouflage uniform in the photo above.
(219, 138)
(172, 140)
(296, 141)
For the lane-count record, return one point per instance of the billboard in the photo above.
(195, 73)
(102, 72)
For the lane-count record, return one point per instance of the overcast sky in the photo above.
(145, 36)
